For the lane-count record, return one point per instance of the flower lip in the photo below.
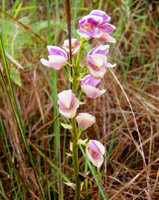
(88, 86)
(91, 91)
(95, 71)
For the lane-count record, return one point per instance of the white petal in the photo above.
(91, 91)
(45, 62)
(75, 50)
(66, 98)
(106, 38)
(110, 65)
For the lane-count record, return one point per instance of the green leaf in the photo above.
(15, 76)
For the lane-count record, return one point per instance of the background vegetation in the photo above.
(33, 146)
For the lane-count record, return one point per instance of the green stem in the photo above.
(100, 4)
(75, 160)
(74, 125)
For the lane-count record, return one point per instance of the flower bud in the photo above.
(85, 120)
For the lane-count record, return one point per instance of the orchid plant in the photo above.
(84, 81)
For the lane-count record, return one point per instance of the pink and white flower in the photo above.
(75, 46)
(68, 103)
(95, 151)
(57, 58)
(96, 25)
(85, 120)
(97, 61)
(88, 86)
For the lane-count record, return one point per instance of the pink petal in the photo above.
(91, 91)
(89, 156)
(54, 50)
(92, 145)
(70, 112)
(108, 28)
(101, 49)
(84, 34)
(75, 46)
(106, 38)
(89, 80)
(99, 160)
(56, 61)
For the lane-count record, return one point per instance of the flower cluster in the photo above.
(94, 25)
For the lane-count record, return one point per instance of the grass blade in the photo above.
(17, 114)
